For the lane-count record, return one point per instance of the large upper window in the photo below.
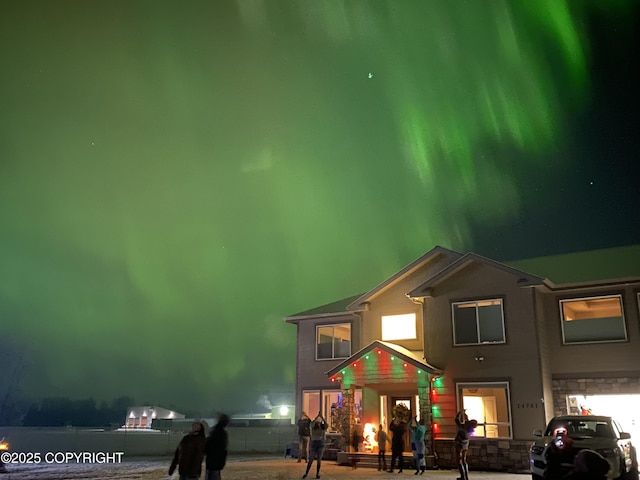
(399, 327)
(488, 404)
(333, 341)
(478, 322)
(594, 319)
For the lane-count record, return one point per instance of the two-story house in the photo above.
(452, 331)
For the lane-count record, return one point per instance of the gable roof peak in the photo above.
(363, 301)
(524, 279)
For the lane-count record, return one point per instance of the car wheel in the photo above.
(632, 474)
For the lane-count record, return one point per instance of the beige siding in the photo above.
(394, 301)
(515, 361)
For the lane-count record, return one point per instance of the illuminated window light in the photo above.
(399, 327)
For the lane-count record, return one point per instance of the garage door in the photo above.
(623, 408)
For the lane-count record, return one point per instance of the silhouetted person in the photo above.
(397, 443)
(189, 454)
(356, 437)
(589, 465)
(304, 432)
(465, 427)
(216, 448)
(382, 438)
(316, 446)
(558, 455)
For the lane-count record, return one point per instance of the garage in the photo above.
(624, 408)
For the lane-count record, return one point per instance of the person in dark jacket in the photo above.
(559, 455)
(189, 454)
(216, 448)
(397, 443)
(465, 427)
(304, 433)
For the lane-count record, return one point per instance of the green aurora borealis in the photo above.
(176, 178)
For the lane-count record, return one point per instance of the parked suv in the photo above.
(602, 434)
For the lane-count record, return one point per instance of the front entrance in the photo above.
(403, 409)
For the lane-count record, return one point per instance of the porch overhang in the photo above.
(383, 362)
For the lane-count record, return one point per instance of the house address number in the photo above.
(526, 405)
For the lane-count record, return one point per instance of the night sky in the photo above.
(176, 177)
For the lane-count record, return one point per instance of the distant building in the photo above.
(141, 417)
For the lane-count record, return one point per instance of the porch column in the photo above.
(425, 414)
(349, 419)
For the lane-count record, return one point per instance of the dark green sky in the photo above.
(177, 177)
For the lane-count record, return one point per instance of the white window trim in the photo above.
(624, 321)
(461, 385)
(333, 357)
(453, 322)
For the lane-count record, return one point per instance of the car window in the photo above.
(581, 428)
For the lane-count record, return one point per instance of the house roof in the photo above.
(392, 348)
(424, 290)
(620, 264)
(592, 266)
(327, 310)
(360, 302)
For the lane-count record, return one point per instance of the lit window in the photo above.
(311, 402)
(331, 407)
(478, 322)
(595, 319)
(333, 341)
(399, 327)
(488, 404)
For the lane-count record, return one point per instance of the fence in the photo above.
(139, 443)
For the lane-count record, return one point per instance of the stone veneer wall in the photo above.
(487, 454)
(590, 386)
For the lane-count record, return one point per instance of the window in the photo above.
(333, 341)
(399, 327)
(488, 404)
(595, 319)
(331, 407)
(478, 322)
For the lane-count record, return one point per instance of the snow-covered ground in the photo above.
(242, 468)
(135, 468)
